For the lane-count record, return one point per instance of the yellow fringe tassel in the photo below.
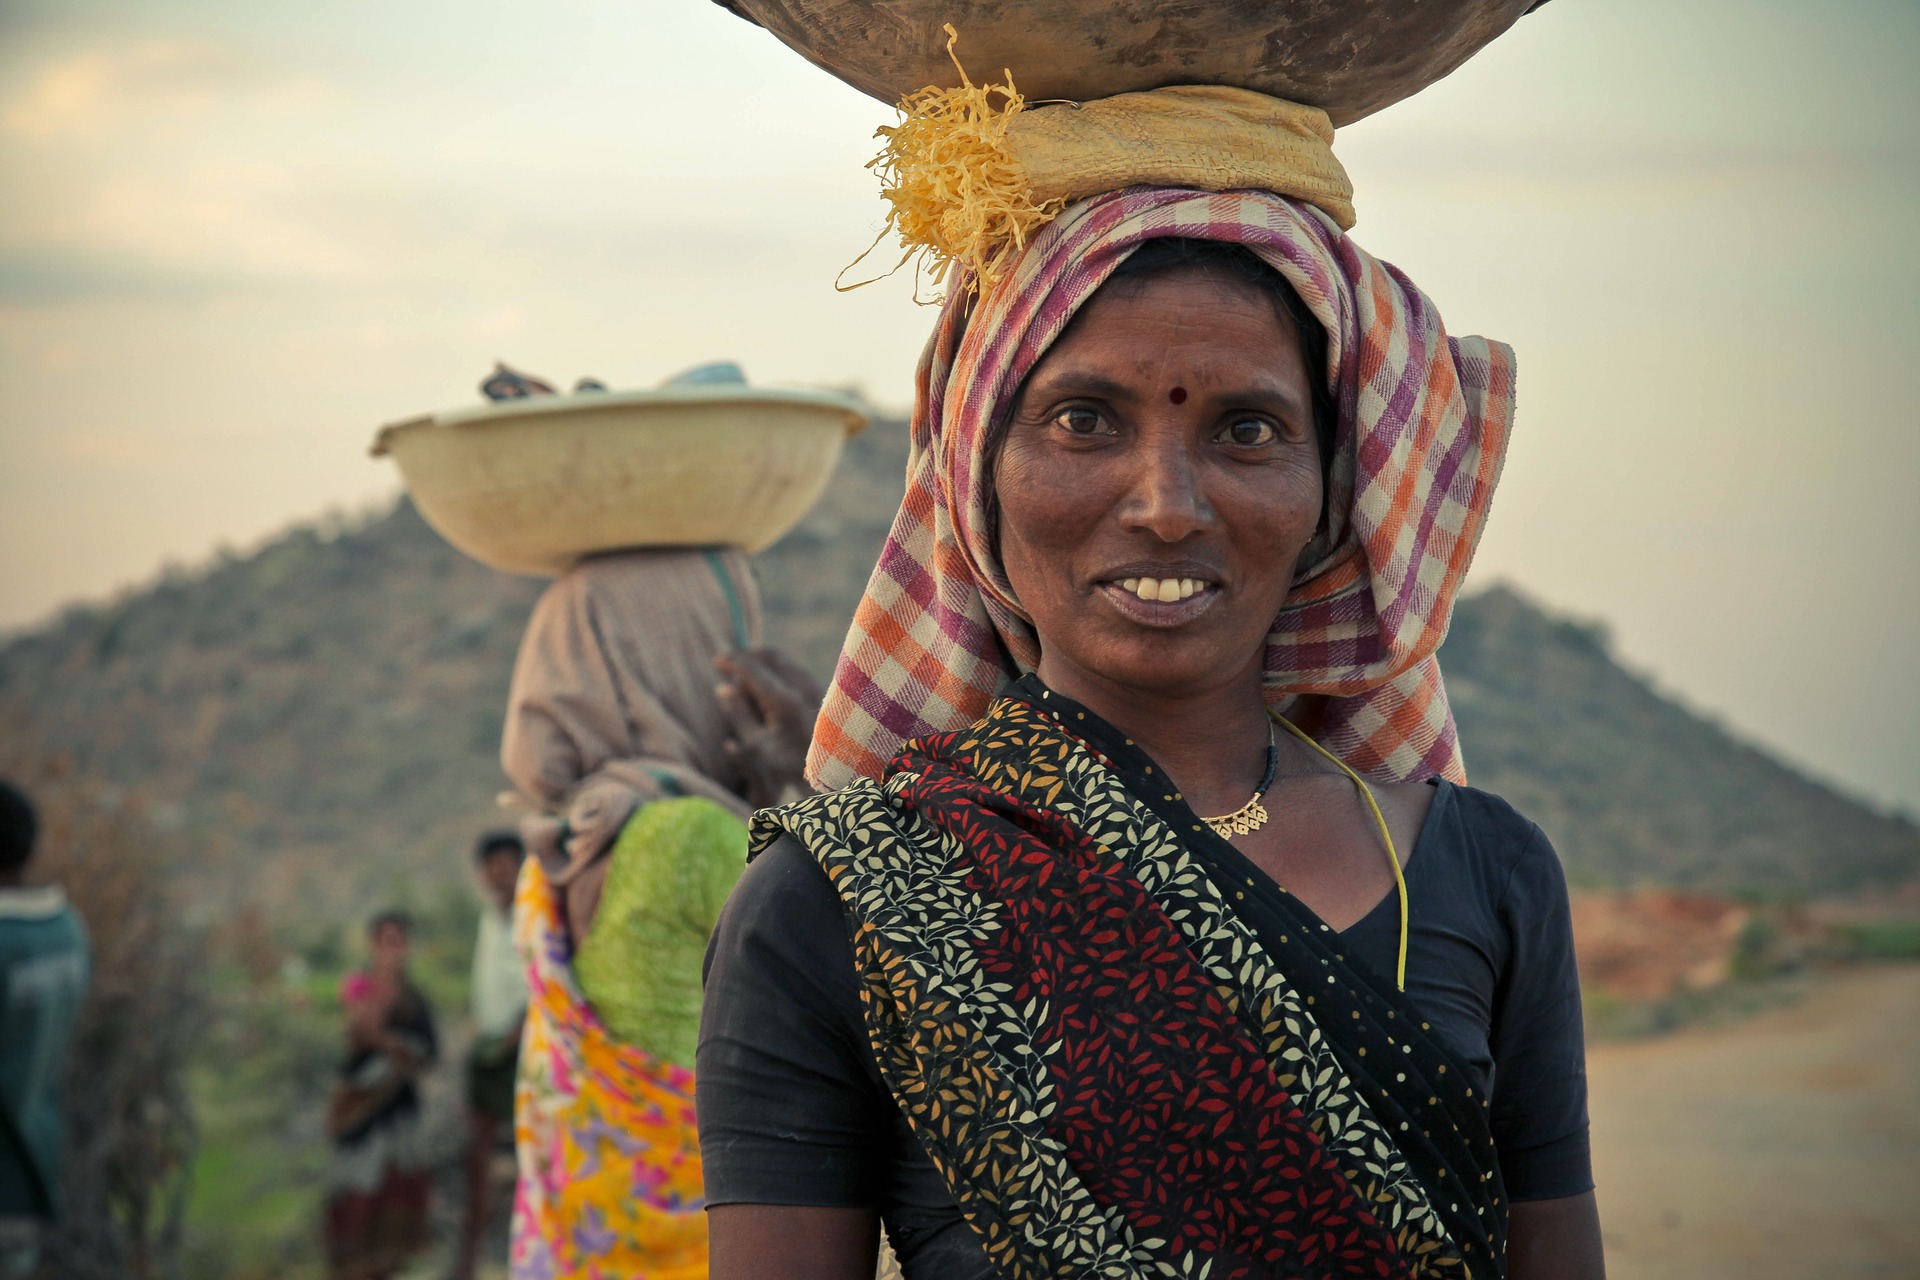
(957, 194)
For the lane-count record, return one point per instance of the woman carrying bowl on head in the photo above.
(1143, 924)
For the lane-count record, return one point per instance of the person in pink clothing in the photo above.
(376, 1216)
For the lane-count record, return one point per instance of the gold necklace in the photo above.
(1252, 815)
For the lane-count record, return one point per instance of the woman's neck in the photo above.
(1211, 741)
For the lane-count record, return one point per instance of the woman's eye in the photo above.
(1250, 431)
(1080, 420)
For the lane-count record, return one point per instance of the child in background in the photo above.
(379, 1183)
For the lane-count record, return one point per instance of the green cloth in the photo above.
(673, 865)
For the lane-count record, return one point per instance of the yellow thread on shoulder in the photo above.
(956, 193)
(1393, 856)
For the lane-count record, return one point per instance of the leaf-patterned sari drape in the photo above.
(1127, 1051)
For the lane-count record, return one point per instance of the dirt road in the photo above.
(1784, 1147)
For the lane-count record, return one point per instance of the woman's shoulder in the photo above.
(783, 911)
(780, 976)
(1486, 830)
(1490, 814)
(782, 877)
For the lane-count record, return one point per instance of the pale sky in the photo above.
(237, 235)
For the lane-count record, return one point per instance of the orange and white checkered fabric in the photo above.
(1423, 426)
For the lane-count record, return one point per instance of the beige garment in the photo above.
(973, 173)
(613, 701)
(1205, 137)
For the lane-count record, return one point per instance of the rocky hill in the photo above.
(1633, 787)
(318, 720)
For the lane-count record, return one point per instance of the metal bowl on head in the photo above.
(1348, 57)
(532, 485)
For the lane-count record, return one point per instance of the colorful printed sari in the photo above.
(610, 1183)
(1129, 1052)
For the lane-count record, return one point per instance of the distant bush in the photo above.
(1883, 940)
(1764, 949)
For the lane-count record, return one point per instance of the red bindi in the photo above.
(1178, 395)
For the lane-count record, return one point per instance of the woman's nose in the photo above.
(1168, 499)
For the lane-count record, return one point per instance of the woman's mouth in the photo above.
(1161, 602)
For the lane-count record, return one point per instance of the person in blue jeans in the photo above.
(44, 969)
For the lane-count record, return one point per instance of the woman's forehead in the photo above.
(1207, 378)
(1182, 295)
(1175, 328)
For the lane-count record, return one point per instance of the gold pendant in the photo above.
(1245, 820)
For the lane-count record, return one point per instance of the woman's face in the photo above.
(1157, 483)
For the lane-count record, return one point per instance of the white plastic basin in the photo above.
(529, 486)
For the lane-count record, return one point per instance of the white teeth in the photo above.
(1163, 590)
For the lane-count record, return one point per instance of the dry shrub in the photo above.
(130, 1133)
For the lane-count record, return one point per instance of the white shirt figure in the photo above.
(499, 976)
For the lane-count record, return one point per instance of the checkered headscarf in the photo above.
(1423, 425)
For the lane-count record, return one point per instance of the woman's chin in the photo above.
(1160, 664)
